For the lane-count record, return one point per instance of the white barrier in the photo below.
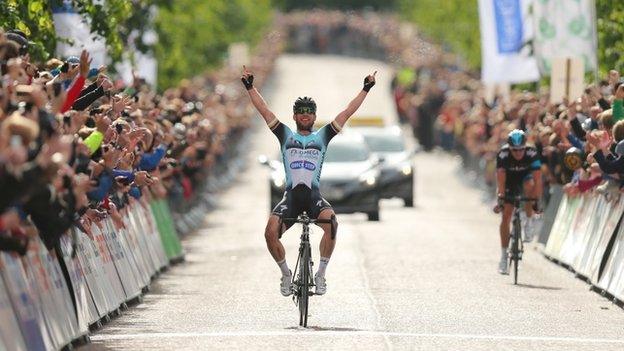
(36, 308)
(580, 237)
(10, 334)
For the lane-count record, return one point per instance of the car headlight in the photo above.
(405, 168)
(369, 178)
(278, 182)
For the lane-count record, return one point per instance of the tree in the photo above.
(194, 35)
(610, 15)
(454, 23)
(109, 19)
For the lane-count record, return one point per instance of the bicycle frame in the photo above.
(302, 276)
(516, 246)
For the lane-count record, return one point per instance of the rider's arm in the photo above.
(501, 173)
(262, 107)
(501, 177)
(342, 117)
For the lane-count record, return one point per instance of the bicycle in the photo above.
(302, 279)
(516, 245)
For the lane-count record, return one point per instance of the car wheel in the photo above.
(373, 216)
(409, 202)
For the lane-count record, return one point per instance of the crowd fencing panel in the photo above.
(109, 267)
(10, 334)
(548, 218)
(581, 234)
(612, 279)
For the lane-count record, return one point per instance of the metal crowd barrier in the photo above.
(588, 239)
(37, 311)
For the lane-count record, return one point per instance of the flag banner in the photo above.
(564, 28)
(71, 25)
(505, 30)
(509, 32)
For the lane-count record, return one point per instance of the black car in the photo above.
(349, 178)
(397, 170)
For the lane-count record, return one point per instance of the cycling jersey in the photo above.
(517, 171)
(302, 156)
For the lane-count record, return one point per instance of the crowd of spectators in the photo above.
(78, 145)
(446, 106)
(579, 141)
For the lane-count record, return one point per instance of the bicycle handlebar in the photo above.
(518, 198)
(304, 220)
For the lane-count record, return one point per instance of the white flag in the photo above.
(565, 28)
(71, 25)
(505, 29)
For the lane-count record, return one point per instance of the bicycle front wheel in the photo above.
(304, 287)
(515, 249)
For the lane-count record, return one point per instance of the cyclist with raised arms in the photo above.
(518, 171)
(303, 152)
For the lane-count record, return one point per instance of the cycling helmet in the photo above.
(304, 105)
(516, 139)
(573, 158)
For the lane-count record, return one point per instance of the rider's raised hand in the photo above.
(247, 78)
(369, 82)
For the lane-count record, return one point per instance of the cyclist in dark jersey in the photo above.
(303, 152)
(518, 171)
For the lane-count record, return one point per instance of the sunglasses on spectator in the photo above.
(304, 109)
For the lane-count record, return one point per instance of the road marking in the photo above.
(357, 333)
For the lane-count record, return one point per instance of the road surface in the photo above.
(423, 278)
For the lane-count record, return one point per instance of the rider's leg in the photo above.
(529, 191)
(327, 242)
(271, 235)
(504, 237)
(504, 226)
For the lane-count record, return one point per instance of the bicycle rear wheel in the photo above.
(304, 287)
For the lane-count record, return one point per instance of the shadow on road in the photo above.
(335, 329)
(541, 287)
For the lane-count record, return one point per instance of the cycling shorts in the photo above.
(300, 199)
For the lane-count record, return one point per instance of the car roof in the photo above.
(393, 130)
(348, 137)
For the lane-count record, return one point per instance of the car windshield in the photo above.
(347, 152)
(384, 143)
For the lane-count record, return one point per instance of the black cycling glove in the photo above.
(368, 84)
(247, 81)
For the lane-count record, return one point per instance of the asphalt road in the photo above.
(421, 279)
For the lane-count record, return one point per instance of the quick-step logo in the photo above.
(302, 164)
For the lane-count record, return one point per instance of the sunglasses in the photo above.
(517, 149)
(305, 109)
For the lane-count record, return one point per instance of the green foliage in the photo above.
(610, 24)
(194, 34)
(455, 23)
(288, 5)
(114, 20)
(35, 20)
